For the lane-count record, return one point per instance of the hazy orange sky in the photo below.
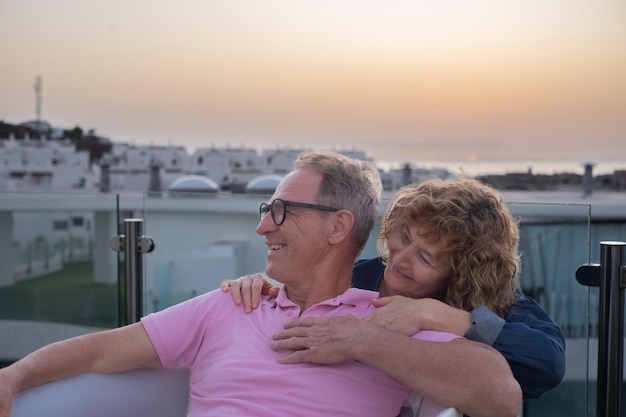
(403, 80)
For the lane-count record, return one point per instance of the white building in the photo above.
(44, 165)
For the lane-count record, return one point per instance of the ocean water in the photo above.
(477, 167)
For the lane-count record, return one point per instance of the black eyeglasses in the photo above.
(278, 208)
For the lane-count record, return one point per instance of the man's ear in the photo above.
(342, 227)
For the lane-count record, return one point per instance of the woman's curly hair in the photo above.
(482, 235)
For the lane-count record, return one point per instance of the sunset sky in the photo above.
(403, 80)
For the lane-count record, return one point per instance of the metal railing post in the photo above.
(134, 245)
(610, 276)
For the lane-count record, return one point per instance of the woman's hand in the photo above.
(410, 315)
(248, 290)
(321, 340)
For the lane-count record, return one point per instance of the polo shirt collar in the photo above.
(352, 296)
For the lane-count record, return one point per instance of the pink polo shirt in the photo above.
(234, 372)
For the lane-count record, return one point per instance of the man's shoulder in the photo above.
(210, 300)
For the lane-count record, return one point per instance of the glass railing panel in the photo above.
(58, 276)
(200, 240)
(554, 242)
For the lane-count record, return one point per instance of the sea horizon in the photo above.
(474, 168)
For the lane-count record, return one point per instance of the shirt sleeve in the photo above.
(486, 326)
(533, 345)
(178, 331)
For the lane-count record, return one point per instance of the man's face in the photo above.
(297, 245)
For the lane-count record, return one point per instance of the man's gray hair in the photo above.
(349, 184)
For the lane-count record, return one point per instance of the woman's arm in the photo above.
(528, 339)
(469, 376)
(534, 347)
(532, 344)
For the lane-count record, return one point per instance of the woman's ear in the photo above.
(342, 227)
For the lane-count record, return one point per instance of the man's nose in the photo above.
(266, 225)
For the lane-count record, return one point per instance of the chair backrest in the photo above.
(149, 392)
(418, 406)
(450, 412)
(143, 392)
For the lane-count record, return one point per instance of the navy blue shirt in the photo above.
(533, 345)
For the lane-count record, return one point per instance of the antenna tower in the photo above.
(38, 87)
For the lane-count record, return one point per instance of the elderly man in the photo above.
(314, 227)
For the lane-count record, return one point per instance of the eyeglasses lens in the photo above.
(277, 208)
(278, 211)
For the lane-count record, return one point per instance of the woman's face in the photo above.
(417, 268)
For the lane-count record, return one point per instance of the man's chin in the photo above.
(273, 274)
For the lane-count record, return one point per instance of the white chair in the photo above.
(418, 406)
(450, 412)
(139, 393)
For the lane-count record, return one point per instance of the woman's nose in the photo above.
(401, 256)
